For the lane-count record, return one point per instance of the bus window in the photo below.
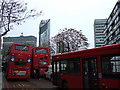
(71, 66)
(21, 48)
(74, 66)
(41, 51)
(110, 64)
(63, 66)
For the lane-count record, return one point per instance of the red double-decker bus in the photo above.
(41, 59)
(91, 68)
(18, 62)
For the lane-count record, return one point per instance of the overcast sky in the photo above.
(78, 14)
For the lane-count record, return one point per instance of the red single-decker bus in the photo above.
(41, 59)
(91, 68)
(18, 62)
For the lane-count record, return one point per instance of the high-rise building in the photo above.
(112, 31)
(0, 47)
(44, 33)
(108, 32)
(99, 28)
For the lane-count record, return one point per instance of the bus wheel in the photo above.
(64, 84)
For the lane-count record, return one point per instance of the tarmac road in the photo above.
(32, 83)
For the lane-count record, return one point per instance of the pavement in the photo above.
(0, 80)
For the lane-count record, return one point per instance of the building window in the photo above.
(117, 31)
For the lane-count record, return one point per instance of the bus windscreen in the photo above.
(21, 48)
(41, 51)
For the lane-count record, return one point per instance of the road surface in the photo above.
(28, 84)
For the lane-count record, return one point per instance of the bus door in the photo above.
(56, 73)
(90, 76)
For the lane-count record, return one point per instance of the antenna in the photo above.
(21, 34)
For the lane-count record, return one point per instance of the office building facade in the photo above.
(44, 33)
(111, 28)
(99, 28)
(112, 31)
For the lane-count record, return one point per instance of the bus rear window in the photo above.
(41, 51)
(21, 48)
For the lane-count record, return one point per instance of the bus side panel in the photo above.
(72, 81)
(109, 83)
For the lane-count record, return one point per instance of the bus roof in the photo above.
(41, 47)
(90, 52)
(20, 45)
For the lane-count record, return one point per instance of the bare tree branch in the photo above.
(14, 12)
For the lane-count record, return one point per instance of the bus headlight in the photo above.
(12, 58)
(29, 59)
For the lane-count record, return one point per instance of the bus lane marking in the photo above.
(19, 85)
(22, 85)
(14, 86)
